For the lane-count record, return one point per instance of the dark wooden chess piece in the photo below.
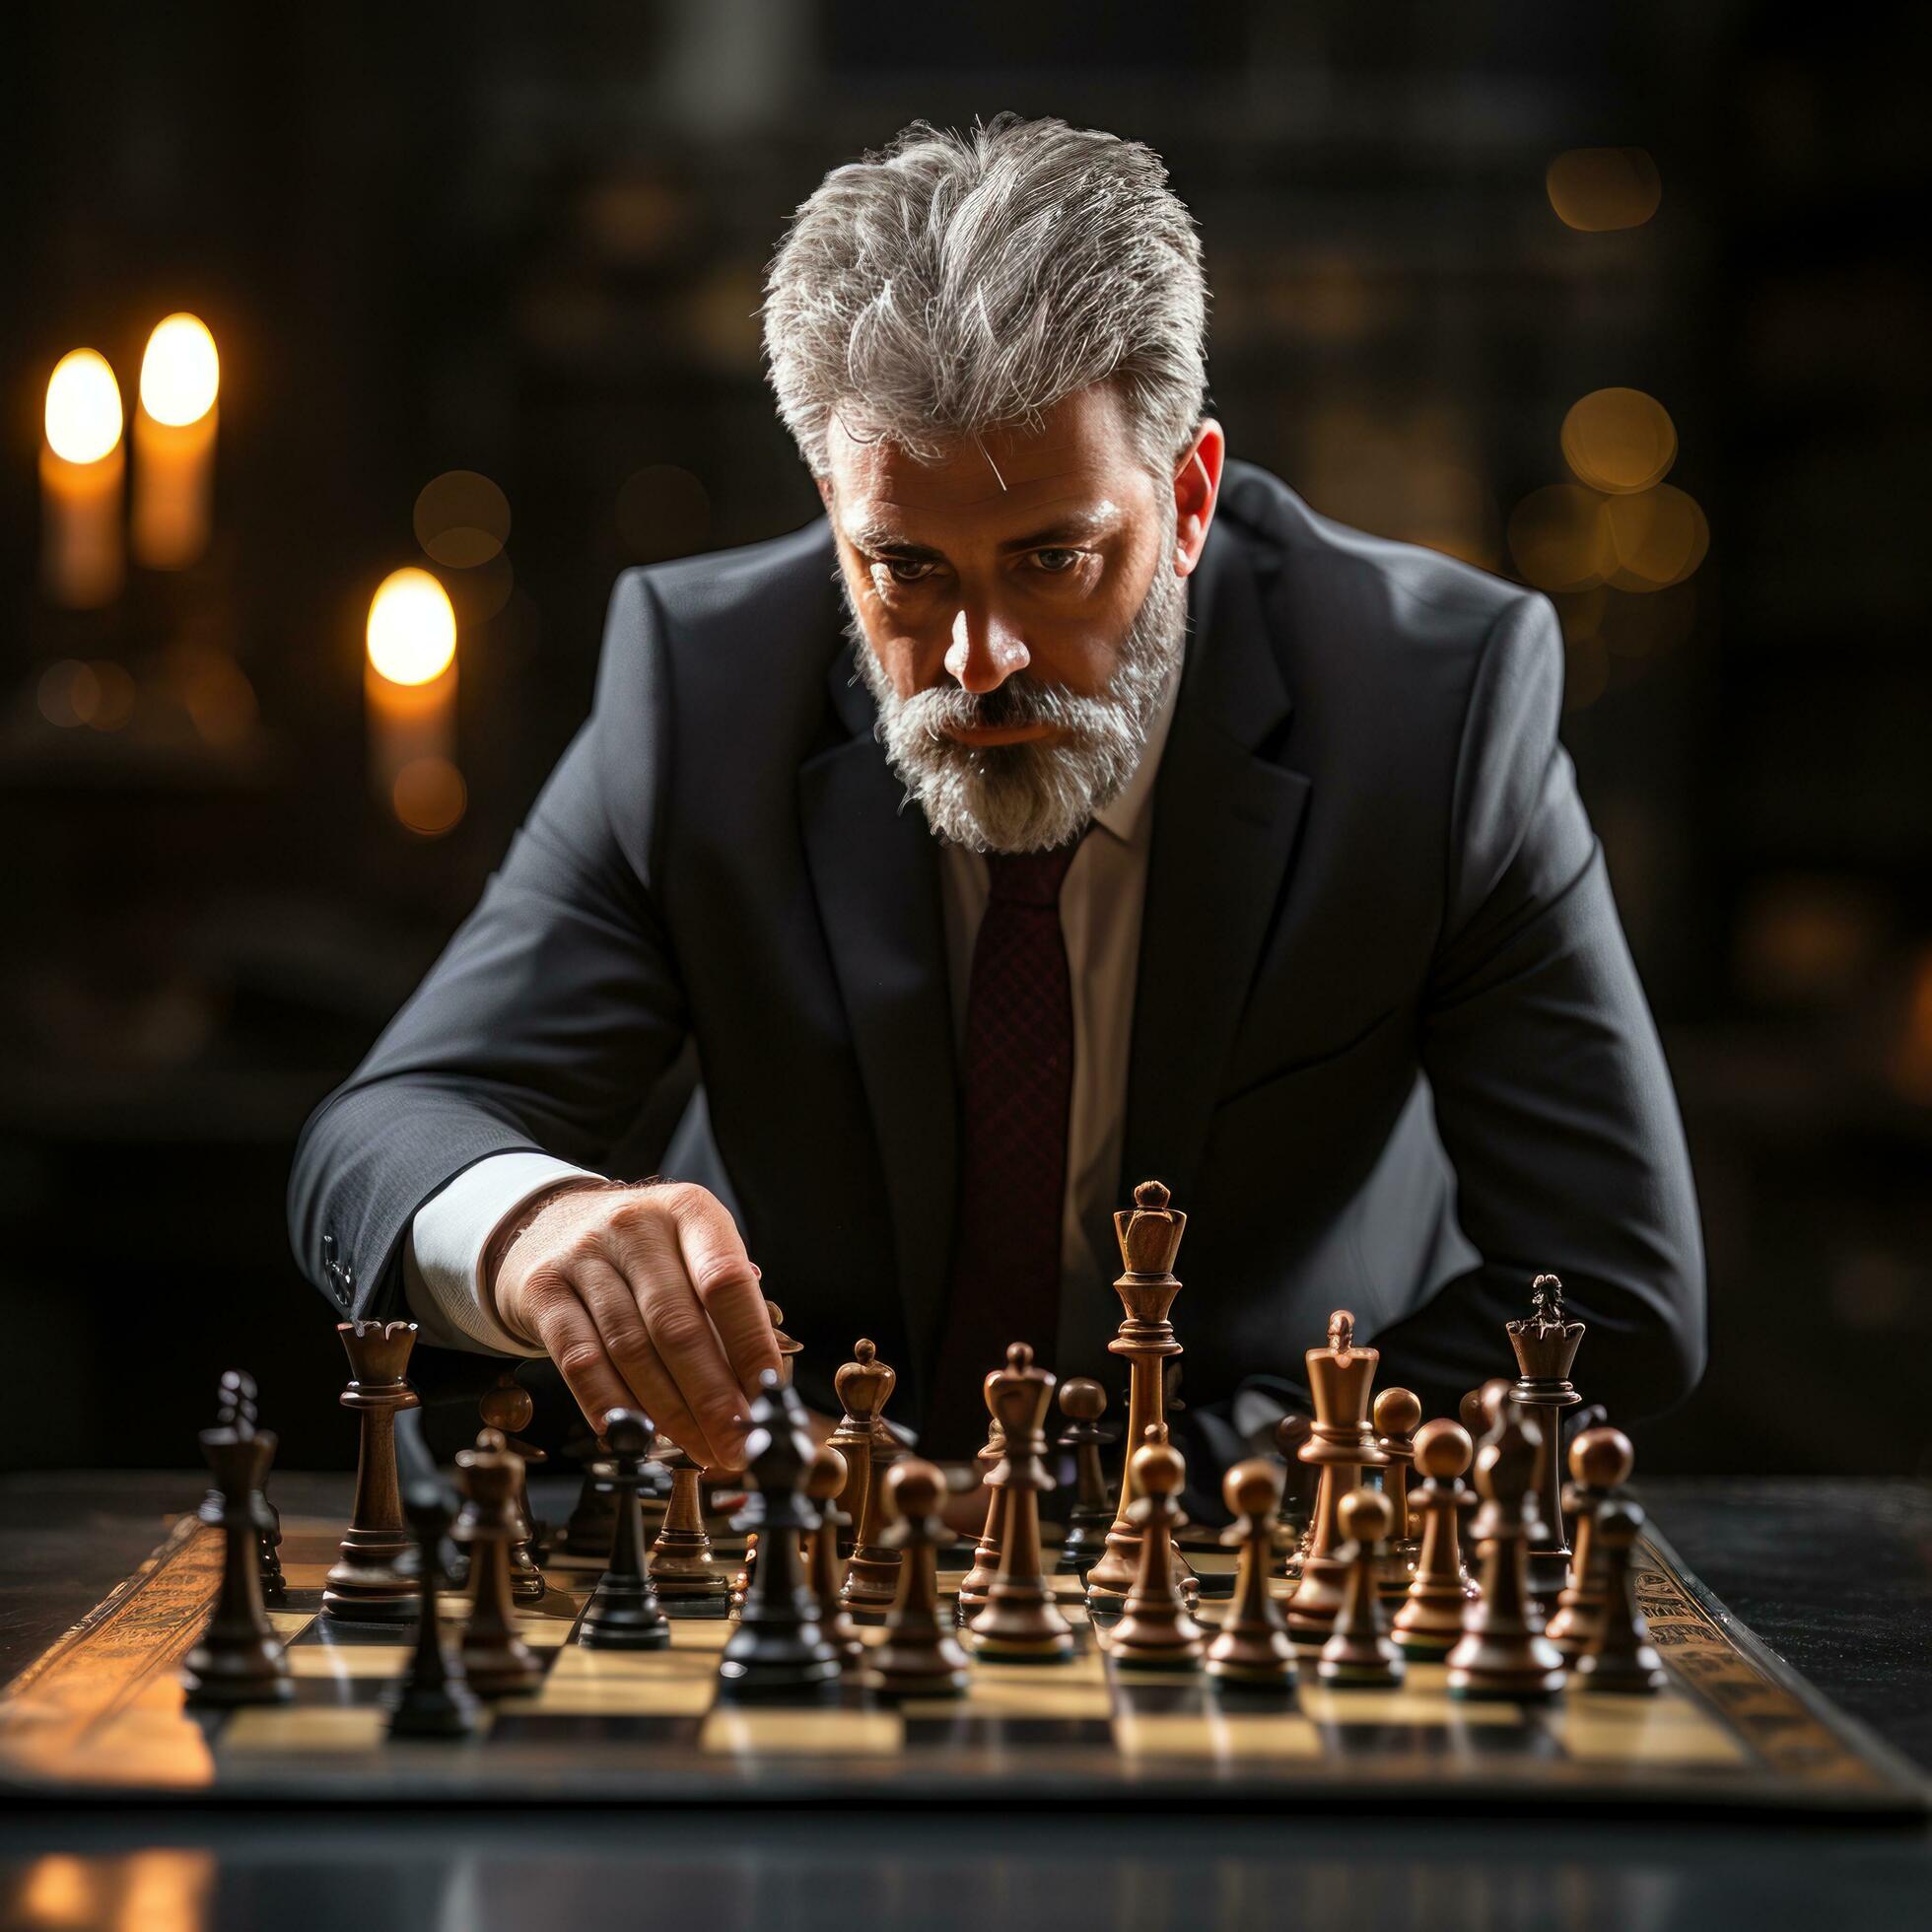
(825, 1482)
(1428, 1622)
(978, 1580)
(1620, 1660)
(366, 1583)
(593, 1520)
(1341, 1445)
(509, 1408)
(1149, 1237)
(864, 1385)
(623, 1613)
(1359, 1651)
(1155, 1630)
(239, 1659)
(237, 1410)
(1601, 1461)
(434, 1699)
(1545, 1344)
(789, 1350)
(1251, 1646)
(1021, 1624)
(1502, 1652)
(1395, 1415)
(683, 1570)
(919, 1656)
(1296, 1517)
(496, 1660)
(778, 1645)
(1082, 1401)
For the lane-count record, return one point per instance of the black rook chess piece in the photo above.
(366, 1583)
(239, 1660)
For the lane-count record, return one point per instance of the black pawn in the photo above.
(435, 1700)
(778, 1644)
(623, 1613)
(1620, 1660)
(239, 1660)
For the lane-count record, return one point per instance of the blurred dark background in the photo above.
(525, 245)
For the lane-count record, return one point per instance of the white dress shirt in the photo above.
(1100, 902)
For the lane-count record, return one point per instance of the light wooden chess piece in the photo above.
(1359, 1651)
(1394, 1417)
(1601, 1461)
(496, 1660)
(1546, 1342)
(508, 1406)
(1620, 1660)
(1155, 1630)
(1021, 1624)
(827, 1478)
(919, 1656)
(1341, 1445)
(1290, 1432)
(1428, 1623)
(865, 1386)
(683, 1570)
(1502, 1652)
(978, 1580)
(368, 1583)
(1252, 1648)
(1149, 1237)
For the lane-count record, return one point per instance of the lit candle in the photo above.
(174, 443)
(409, 688)
(81, 464)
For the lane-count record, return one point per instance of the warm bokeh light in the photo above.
(462, 520)
(1618, 440)
(1657, 538)
(429, 796)
(1561, 539)
(58, 1890)
(68, 694)
(84, 407)
(181, 373)
(663, 512)
(412, 628)
(1598, 188)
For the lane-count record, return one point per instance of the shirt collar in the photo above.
(1126, 817)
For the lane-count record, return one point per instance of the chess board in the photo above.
(100, 1714)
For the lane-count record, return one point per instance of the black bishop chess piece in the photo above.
(239, 1659)
(1082, 1401)
(1341, 1445)
(434, 1699)
(368, 1582)
(1619, 1659)
(1021, 1624)
(779, 1646)
(919, 1656)
(623, 1613)
(1252, 1648)
(1502, 1652)
(1359, 1652)
(1546, 1342)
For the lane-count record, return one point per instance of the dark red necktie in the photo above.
(1017, 1084)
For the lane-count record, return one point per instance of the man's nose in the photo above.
(982, 658)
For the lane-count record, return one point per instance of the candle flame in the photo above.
(181, 373)
(84, 407)
(412, 628)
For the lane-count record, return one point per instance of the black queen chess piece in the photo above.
(1546, 1342)
(239, 1659)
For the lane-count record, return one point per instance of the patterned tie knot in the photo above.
(1031, 878)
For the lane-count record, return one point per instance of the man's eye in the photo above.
(895, 565)
(1073, 557)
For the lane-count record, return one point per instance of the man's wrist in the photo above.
(514, 1225)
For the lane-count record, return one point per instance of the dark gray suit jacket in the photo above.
(1389, 1047)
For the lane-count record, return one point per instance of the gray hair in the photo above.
(953, 282)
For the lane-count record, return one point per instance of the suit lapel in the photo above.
(876, 870)
(1224, 825)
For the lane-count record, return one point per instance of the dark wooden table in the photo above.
(1836, 1576)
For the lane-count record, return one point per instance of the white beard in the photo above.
(1036, 795)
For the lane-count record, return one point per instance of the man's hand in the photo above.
(645, 1298)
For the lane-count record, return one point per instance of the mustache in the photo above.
(1017, 699)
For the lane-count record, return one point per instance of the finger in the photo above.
(726, 1280)
(570, 1336)
(613, 1307)
(647, 1250)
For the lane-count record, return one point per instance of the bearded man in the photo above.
(1068, 805)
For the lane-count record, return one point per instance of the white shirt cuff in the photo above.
(443, 1253)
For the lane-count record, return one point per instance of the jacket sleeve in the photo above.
(1552, 1094)
(548, 1017)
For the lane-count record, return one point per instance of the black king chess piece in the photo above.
(1546, 1346)
(778, 1645)
(239, 1659)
